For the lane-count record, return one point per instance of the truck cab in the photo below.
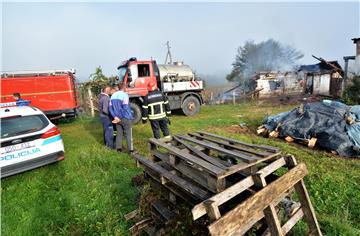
(176, 81)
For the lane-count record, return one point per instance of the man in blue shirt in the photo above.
(19, 101)
(119, 108)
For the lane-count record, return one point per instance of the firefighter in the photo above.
(156, 108)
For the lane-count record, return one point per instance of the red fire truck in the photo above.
(176, 80)
(54, 92)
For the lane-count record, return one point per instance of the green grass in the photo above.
(90, 191)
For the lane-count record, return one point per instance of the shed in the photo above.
(278, 83)
(323, 78)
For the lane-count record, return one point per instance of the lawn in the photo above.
(90, 191)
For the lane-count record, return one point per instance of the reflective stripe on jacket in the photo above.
(155, 106)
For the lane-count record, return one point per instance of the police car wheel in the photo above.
(135, 109)
(190, 106)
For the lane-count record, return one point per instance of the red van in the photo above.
(54, 92)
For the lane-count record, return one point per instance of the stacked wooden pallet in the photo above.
(230, 182)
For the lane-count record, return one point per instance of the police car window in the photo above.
(18, 125)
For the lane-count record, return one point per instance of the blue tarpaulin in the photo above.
(335, 125)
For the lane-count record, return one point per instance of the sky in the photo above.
(85, 35)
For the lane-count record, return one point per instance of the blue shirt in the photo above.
(119, 106)
(21, 102)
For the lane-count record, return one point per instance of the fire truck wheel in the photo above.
(135, 108)
(190, 106)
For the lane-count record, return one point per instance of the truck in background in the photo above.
(54, 92)
(175, 80)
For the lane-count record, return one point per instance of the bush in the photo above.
(352, 93)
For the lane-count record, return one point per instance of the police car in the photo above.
(28, 140)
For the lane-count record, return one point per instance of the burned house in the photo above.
(323, 78)
(278, 83)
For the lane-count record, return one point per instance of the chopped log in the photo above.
(289, 139)
(312, 142)
(261, 130)
(274, 134)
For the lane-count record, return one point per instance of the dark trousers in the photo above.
(107, 130)
(162, 124)
(124, 128)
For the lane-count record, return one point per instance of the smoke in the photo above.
(269, 55)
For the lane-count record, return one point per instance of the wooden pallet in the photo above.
(234, 197)
(261, 204)
(200, 157)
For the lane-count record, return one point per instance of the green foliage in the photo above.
(264, 56)
(90, 191)
(98, 80)
(352, 93)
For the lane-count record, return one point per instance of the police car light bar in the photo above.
(14, 104)
(8, 104)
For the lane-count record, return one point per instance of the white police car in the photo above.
(28, 140)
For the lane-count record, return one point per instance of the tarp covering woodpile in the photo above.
(333, 125)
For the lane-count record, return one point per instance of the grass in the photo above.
(90, 191)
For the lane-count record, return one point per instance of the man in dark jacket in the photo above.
(121, 111)
(105, 118)
(156, 108)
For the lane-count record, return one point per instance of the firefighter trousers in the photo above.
(162, 124)
(124, 128)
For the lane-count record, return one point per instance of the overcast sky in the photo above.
(204, 35)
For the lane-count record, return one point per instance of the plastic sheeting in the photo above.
(335, 125)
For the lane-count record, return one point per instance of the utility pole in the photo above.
(168, 54)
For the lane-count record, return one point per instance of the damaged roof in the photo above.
(321, 67)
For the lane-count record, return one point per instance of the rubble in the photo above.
(229, 185)
(329, 125)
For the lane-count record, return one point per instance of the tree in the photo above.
(98, 80)
(269, 55)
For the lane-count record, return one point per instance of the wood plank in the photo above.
(292, 221)
(258, 216)
(228, 145)
(185, 185)
(289, 224)
(212, 209)
(309, 212)
(198, 176)
(272, 167)
(272, 221)
(235, 141)
(242, 166)
(241, 156)
(220, 198)
(173, 190)
(200, 154)
(160, 208)
(136, 228)
(188, 157)
(247, 210)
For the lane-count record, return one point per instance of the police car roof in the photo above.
(19, 110)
